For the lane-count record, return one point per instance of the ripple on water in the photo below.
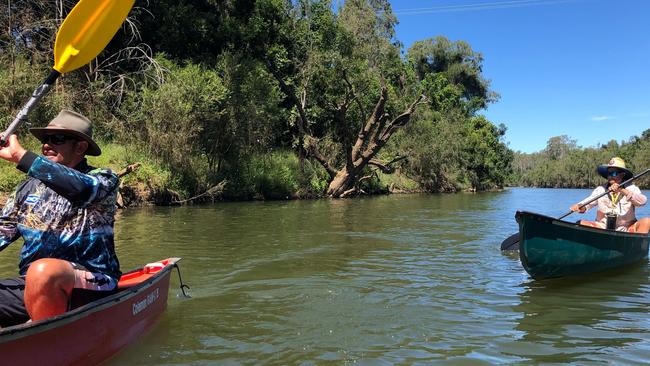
(414, 280)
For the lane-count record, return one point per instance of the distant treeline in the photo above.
(563, 164)
(278, 98)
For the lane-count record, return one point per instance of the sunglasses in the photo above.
(56, 139)
(614, 173)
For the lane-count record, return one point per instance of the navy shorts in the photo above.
(12, 302)
(88, 287)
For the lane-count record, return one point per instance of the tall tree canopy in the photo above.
(235, 80)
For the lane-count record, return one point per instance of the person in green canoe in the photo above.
(64, 210)
(619, 204)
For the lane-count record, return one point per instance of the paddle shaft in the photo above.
(624, 184)
(31, 103)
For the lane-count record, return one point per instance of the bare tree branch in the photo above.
(313, 152)
(214, 191)
(348, 192)
(402, 119)
(377, 114)
(386, 168)
(128, 169)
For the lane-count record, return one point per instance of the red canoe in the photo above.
(96, 331)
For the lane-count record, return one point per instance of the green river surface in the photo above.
(385, 280)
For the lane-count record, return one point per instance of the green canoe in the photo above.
(549, 247)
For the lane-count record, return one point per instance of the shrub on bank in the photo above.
(276, 175)
(272, 176)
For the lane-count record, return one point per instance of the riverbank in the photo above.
(279, 175)
(146, 181)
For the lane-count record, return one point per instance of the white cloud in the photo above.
(601, 118)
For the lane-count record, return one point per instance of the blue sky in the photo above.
(562, 67)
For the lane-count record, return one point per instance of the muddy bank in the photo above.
(142, 194)
(133, 196)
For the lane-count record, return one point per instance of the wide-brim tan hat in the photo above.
(617, 163)
(73, 124)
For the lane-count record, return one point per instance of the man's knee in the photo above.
(50, 272)
(48, 286)
(643, 225)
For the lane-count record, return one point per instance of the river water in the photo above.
(387, 280)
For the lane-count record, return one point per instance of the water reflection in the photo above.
(585, 319)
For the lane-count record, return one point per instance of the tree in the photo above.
(460, 66)
(558, 146)
(449, 146)
(347, 105)
(487, 159)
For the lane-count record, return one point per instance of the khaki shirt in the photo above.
(623, 207)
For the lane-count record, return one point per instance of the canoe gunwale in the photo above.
(579, 227)
(28, 329)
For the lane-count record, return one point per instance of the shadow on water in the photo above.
(585, 319)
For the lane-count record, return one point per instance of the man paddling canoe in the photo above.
(619, 204)
(64, 211)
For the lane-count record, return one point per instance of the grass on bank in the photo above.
(397, 182)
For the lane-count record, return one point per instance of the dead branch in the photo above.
(312, 150)
(340, 115)
(213, 191)
(376, 115)
(128, 169)
(386, 168)
(348, 192)
(367, 177)
(403, 118)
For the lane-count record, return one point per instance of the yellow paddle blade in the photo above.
(87, 30)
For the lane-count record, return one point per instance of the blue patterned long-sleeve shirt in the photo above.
(63, 213)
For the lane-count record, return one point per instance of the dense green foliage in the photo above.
(563, 164)
(271, 96)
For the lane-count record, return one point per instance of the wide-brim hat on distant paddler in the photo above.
(616, 163)
(73, 124)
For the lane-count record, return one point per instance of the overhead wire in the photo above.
(477, 6)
